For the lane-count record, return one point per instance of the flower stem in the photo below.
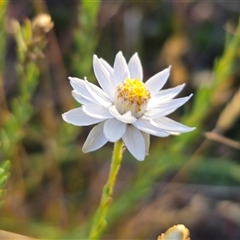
(99, 221)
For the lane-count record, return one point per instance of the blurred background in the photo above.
(49, 189)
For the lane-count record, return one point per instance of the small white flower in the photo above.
(125, 107)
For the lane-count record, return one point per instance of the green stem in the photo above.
(99, 221)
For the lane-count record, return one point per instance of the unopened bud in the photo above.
(177, 232)
(42, 24)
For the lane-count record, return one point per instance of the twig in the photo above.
(221, 139)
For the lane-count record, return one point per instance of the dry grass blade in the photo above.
(230, 113)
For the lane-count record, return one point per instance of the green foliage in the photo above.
(4, 174)
(5, 165)
(3, 7)
(10, 134)
(28, 72)
(86, 38)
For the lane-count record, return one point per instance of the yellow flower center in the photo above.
(132, 95)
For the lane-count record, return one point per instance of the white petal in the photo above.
(146, 137)
(134, 142)
(97, 111)
(109, 68)
(135, 68)
(95, 139)
(171, 126)
(146, 126)
(114, 129)
(97, 93)
(120, 69)
(77, 117)
(80, 87)
(80, 98)
(165, 95)
(173, 133)
(165, 108)
(103, 77)
(155, 83)
(126, 117)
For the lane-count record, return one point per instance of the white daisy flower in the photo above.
(125, 107)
